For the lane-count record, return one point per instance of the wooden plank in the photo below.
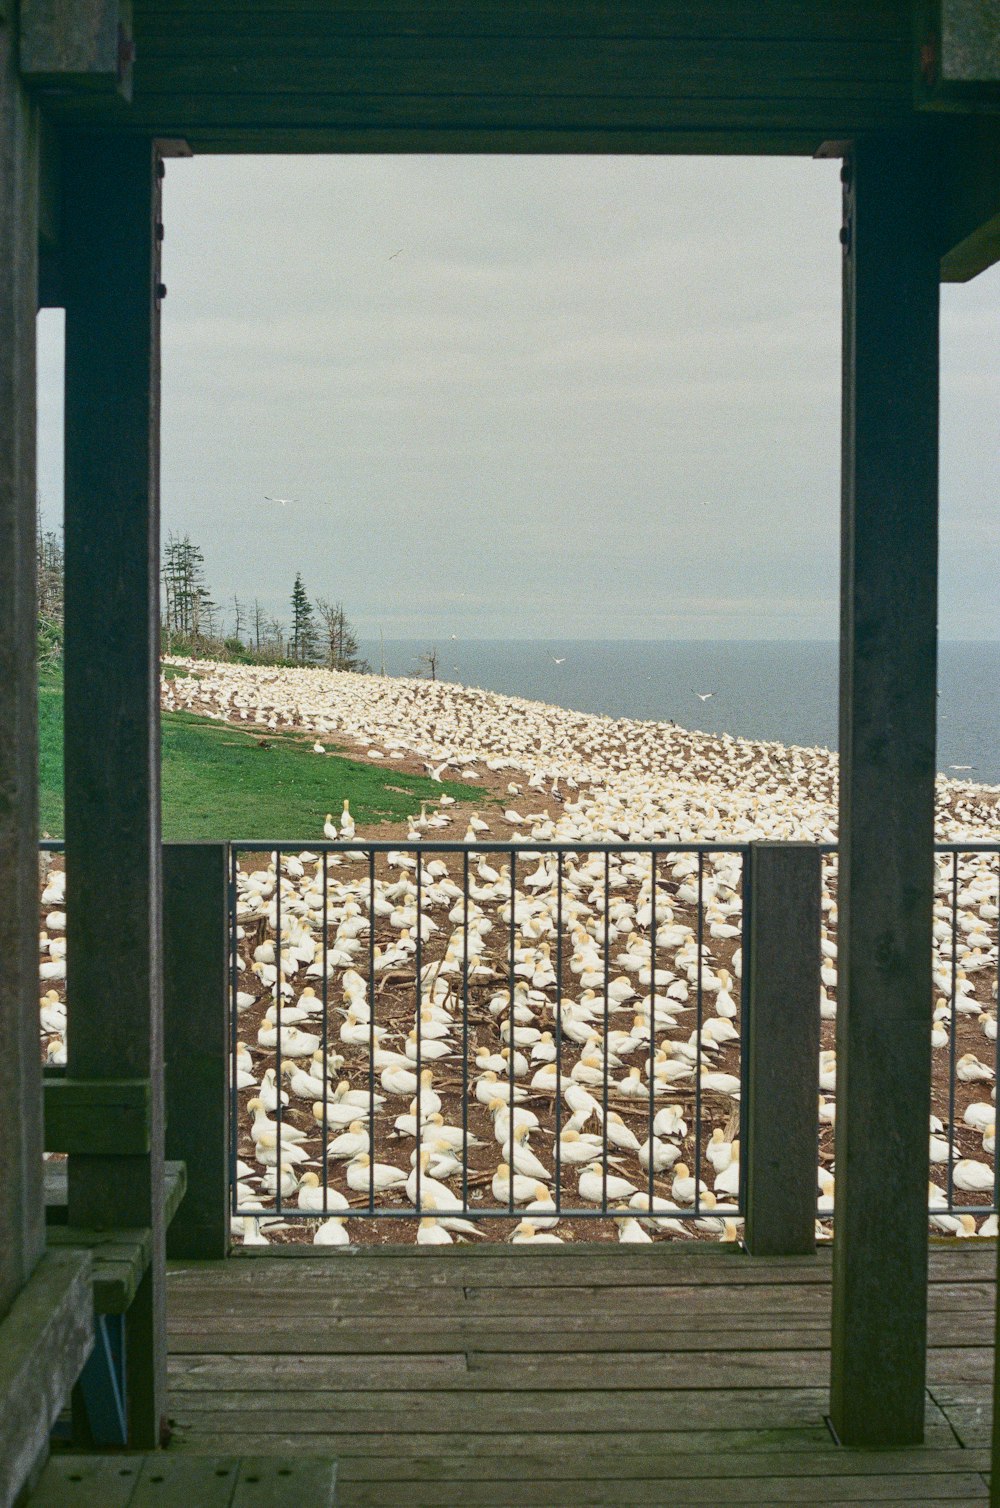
(784, 883)
(443, 1369)
(862, 23)
(501, 1409)
(112, 696)
(201, 1482)
(22, 1230)
(701, 1262)
(120, 1258)
(45, 1338)
(544, 1370)
(966, 1487)
(267, 1483)
(309, 68)
(205, 1335)
(530, 1458)
(87, 1482)
(98, 1116)
(995, 1431)
(887, 764)
(349, 1338)
(196, 1042)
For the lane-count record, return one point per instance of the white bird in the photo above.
(972, 1177)
(525, 1233)
(594, 1187)
(331, 1232)
(362, 1173)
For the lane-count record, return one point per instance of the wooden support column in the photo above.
(22, 1209)
(784, 891)
(112, 701)
(887, 766)
(196, 1035)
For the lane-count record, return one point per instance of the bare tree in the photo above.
(429, 661)
(259, 623)
(340, 643)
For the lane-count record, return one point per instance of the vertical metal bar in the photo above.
(950, 1186)
(558, 1023)
(420, 1034)
(510, 1045)
(607, 986)
(323, 1074)
(652, 1022)
(278, 982)
(234, 985)
(996, 1062)
(465, 1029)
(697, 1051)
(371, 1031)
(746, 915)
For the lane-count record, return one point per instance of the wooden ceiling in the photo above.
(720, 76)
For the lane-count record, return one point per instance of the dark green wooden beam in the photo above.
(111, 268)
(272, 78)
(99, 1117)
(21, 1200)
(888, 705)
(971, 210)
(783, 903)
(196, 1036)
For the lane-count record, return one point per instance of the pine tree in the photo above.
(304, 636)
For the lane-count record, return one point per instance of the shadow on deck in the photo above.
(574, 1375)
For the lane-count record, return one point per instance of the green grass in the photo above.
(219, 782)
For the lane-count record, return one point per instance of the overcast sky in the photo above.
(540, 397)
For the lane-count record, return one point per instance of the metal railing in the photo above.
(963, 1110)
(478, 1041)
(429, 989)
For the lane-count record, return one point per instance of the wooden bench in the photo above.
(119, 1259)
(138, 1481)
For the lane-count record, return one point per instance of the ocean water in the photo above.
(762, 688)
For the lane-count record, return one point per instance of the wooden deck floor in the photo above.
(565, 1376)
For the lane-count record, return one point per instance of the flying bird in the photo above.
(394, 255)
(961, 767)
(556, 660)
(703, 696)
(281, 500)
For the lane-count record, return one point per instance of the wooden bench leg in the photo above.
(102, 1383)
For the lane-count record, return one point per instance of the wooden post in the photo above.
(22, 1209)
(995, 1438)
(887, 766)
(784, 889)
(112, 700)
(196, 1038)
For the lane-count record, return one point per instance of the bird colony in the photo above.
(446, 1047)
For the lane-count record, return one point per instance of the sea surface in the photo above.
(765, 689)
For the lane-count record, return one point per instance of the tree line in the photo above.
(318, 632)
(192, 622)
